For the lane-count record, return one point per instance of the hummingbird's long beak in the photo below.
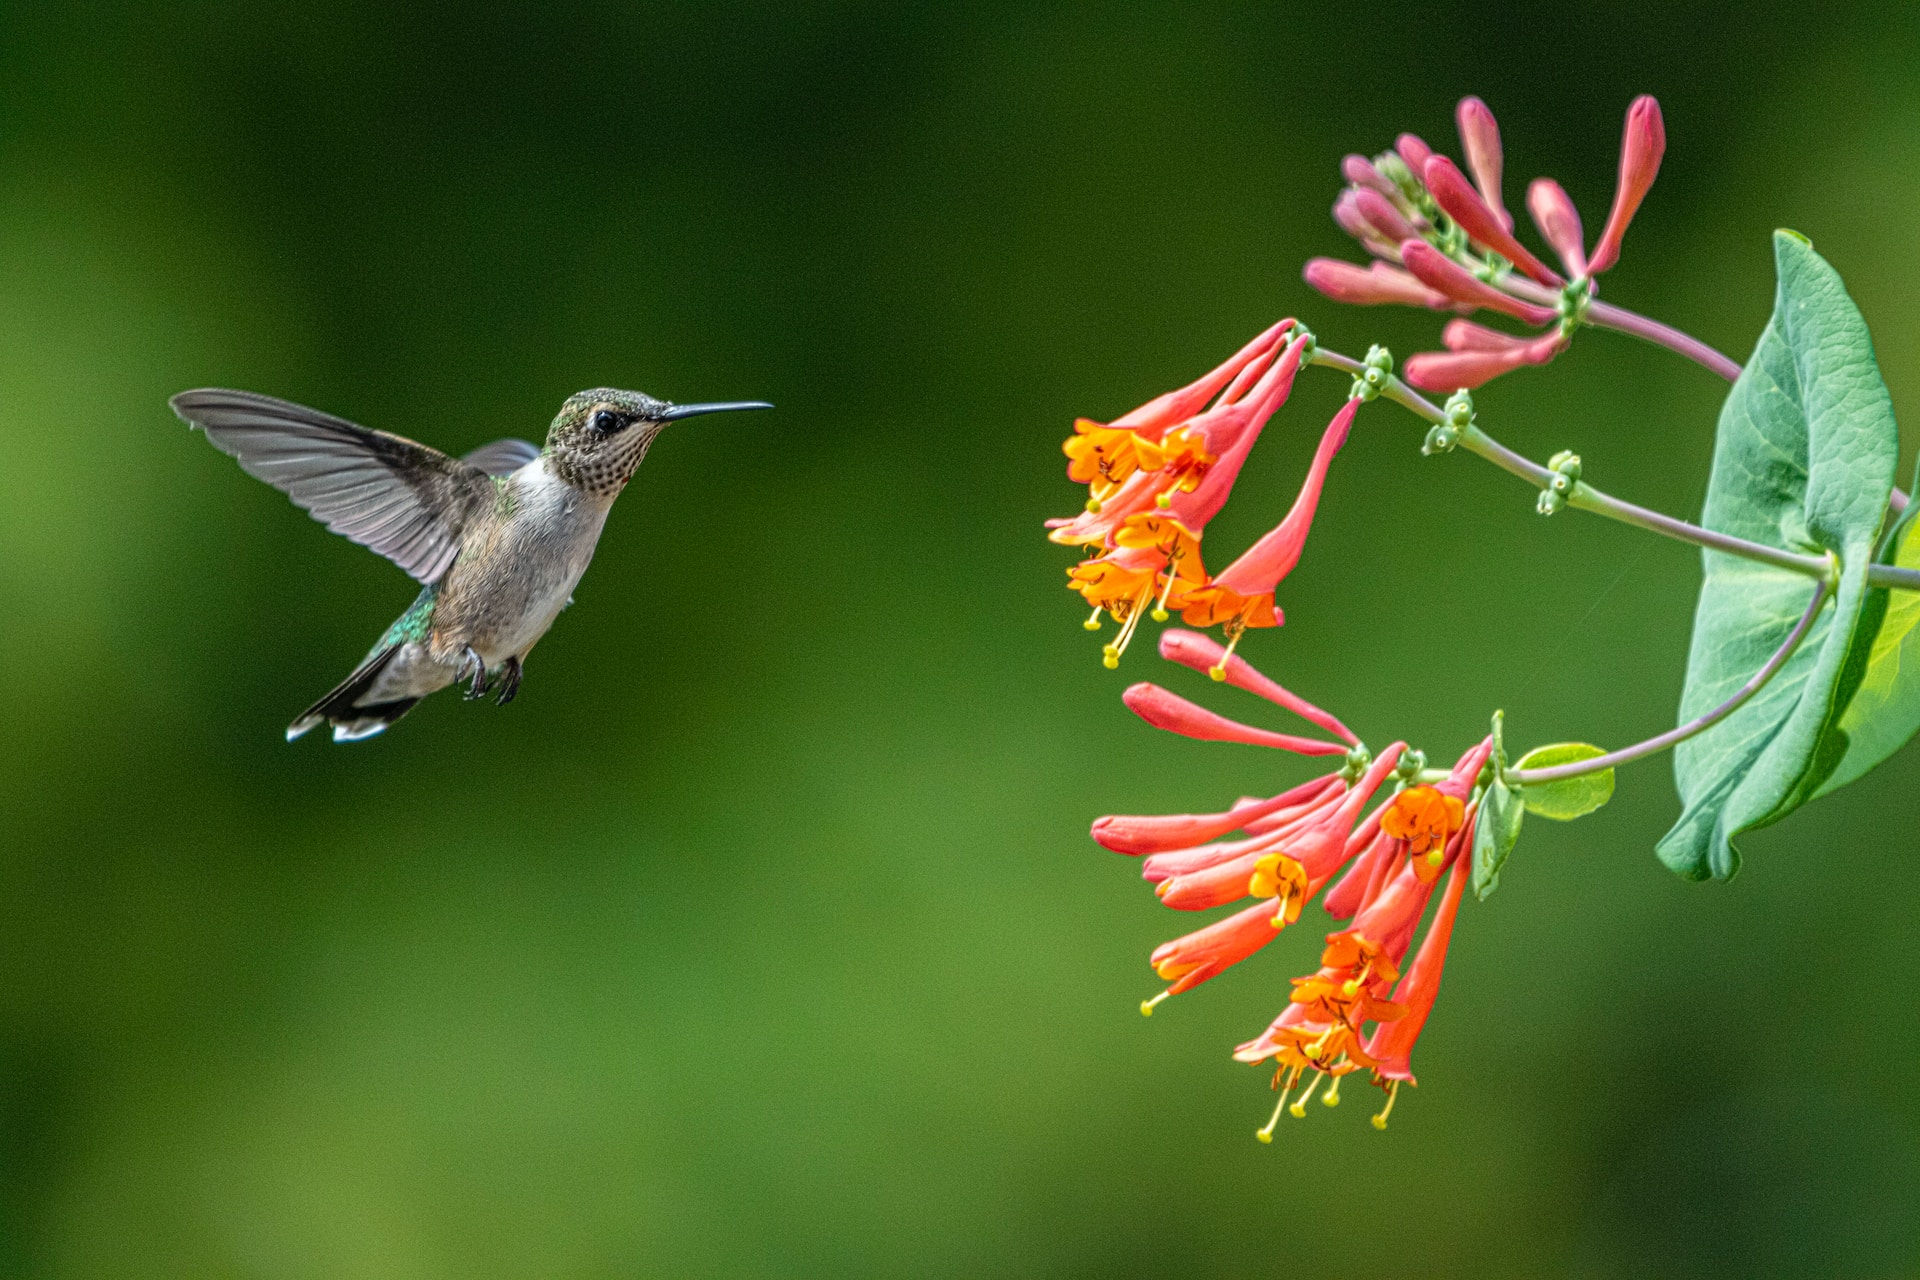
(678, 411)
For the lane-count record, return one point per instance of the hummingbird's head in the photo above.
(598, 438)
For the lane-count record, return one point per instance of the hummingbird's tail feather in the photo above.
(351, 719)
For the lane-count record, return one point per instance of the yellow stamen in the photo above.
(1093, 623)
(1135, 612)
(1219, 671)
(1266, 1134)
(1393, 1091)
(1146, 1006)
(1299, 1108)
(1110, 657)
(1331, 1097)
(1160, 610)
(1093, 506)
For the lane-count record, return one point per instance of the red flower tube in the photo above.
(1642, 145)
(1452, 192)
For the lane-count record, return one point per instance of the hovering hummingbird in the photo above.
(499, 537)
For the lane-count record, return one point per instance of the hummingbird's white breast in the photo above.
(517, 570)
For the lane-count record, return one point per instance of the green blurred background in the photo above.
(762, 936)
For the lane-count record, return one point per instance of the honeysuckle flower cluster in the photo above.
(1364, 1007)
(1157, 475)
(1446, 243)
(1383, 844)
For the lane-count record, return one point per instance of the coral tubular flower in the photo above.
(1558, 222)
(1191, 649)
(1643, 143)
(1242, 593)
(1169, 711)
(1480, 139)
(1188, 961)
(1439, 272)
(1391, 1045)
(1375, 284)
(1452, 192)
(1133, 834)
(1480, 356)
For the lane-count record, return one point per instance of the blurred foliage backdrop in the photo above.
(762, 936)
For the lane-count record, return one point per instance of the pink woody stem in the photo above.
(1639, 750)
(1604, 315)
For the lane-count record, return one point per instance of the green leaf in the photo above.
(1803, 460)
(1495, 833)
(1569, 798)
(1885, 709)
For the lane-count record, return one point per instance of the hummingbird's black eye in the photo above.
(605, 421)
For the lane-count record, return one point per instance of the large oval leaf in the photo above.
(1803, 460)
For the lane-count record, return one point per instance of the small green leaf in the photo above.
(1885, 710)
(1495, 833)
(1569, 798)
(1803, 460)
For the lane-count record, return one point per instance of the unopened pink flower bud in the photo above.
(1346, 212)
(1465, 335)
(1170, 711)
(1413, 151)
(1559, 223)
(1382, 216)
(1452, 192)
(1468, 368)
(1437, 271)
(1372, 285)
(1480, 138)
(1644, 142)
(1202, 653)
(1359, 170)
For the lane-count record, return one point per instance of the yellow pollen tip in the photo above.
(1218, 673)
(1351, 987)
(1111, 661)
(1264, 1135)
(1433, 859)
(1380, 1122)
(1331, 1097)
(1298, 1111)
(1091, 624)
(1093, 506)
(1160, 615)
(1146, 1006)
(1163, 501)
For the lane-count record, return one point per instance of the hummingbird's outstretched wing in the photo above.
(402, 499)
(502, 457)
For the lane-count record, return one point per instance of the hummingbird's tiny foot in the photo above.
(470, 659)
(509, 680)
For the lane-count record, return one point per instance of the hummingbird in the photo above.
(497, 538)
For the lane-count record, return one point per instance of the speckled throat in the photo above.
(607, 470)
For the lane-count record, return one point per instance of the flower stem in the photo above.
(1587, 498)
(1626, 755)
(1604, 315)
